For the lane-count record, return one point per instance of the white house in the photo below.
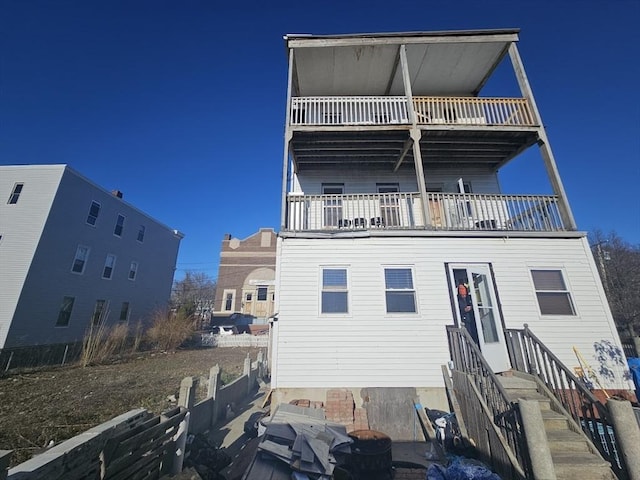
(391, 198)
(70, 252)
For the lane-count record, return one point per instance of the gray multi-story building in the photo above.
(73, 254)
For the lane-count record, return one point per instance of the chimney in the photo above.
(116, 193)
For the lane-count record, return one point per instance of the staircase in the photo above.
(573, 455)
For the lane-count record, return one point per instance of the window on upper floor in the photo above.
(262, 294)
(133, 270)
(400, 294)
(335, 291)
(117, 230)
(15, 193)
(124, 312)
(64, 314)
(109, 265)
(552, 293)
(80, 260)
(99, 312)
(141, 232)
(94, 211)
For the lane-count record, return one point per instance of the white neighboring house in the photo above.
(391, 198)
(68, 251)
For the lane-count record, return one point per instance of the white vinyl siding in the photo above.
(316, 350)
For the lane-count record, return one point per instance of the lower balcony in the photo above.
(404, 211)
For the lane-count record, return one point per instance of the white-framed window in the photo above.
(94, 211)
(15, 193)
(552, 293)
(228, 300)
(117, 230)
(141, 232)
(80, 260)
(262, 294)
(124, 312)
(400, 294)
(64, 314)
(335, 290)
(133, 270)
(99, 312)
(109, 265)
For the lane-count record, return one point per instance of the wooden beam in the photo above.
(405, 149)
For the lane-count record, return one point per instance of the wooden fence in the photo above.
(138, 445)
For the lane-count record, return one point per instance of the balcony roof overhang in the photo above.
(391, 149)
(440, 63)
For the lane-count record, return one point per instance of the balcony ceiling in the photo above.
(383, 149)
(440, 63)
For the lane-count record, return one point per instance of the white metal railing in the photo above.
(473, 111)
(447, 211)
(356, 211)
(349, 110)
(388, 110)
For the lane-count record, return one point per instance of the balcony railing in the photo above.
(447, 211)
(349, 110)
(388, 110)
(473, 111)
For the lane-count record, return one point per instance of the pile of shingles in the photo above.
(304, 441)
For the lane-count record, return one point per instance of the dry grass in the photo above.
(170, 330)
(102, 341)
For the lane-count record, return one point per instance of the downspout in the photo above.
(543, 143)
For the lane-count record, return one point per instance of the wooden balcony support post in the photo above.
(416, 133)
(287, 141)
(406, 81)
(543, 143)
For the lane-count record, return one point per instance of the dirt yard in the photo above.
(58, 403)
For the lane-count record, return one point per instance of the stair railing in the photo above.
(467, 358)
(528, 354)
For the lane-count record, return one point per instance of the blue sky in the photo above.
(180, 104)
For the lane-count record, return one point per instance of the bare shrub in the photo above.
(169, 330)
(137, 337)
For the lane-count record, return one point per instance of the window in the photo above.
(133, 270)
(94, 211)
(332, 205)
(15, 193)
(124, 312)
(99, 312)
(248, 297)
(80, 260)
(551, 291)
(399, 292)
(335, 297)
(119, 226)
(109, 264)
(141, 233)
(262, 294)
(228, 300)
(65, 312)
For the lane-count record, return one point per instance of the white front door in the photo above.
(483, 311)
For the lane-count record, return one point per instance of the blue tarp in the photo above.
(461, 468)
(634, 367)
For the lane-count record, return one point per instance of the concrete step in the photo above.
(581, 466)
(554, 421)
(517, 383)
(514, 395)
(566, 441)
